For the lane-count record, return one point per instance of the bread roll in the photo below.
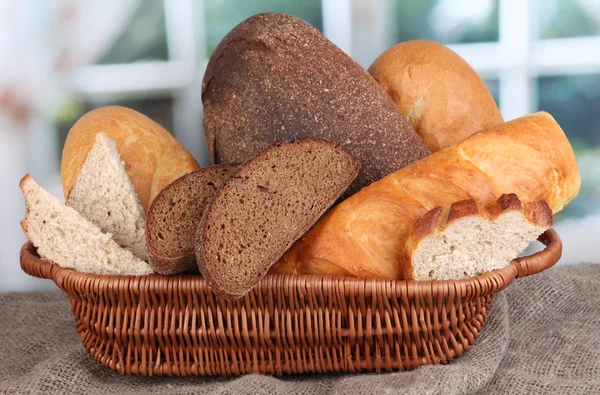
(365, 235)
(153, 158)
(275, 78)
(441, 95)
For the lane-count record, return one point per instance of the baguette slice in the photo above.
(267, 204)
(103, 195)
(174, 216)
(468, 240)
(64, 237)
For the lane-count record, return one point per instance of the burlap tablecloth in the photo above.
(542, 336)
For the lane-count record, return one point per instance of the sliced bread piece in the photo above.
(174, 216)
(267, 204)
(103, 194)
(64, 237)
(468, 240)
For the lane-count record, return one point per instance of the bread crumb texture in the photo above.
(62, 236)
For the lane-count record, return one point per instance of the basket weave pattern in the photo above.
(175, 325)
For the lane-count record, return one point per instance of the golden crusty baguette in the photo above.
(466, 239)
(365, 236)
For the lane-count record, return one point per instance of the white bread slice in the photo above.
(103, 195)
(468, 240)
(64, 237)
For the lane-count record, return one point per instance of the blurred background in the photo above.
(61, 58)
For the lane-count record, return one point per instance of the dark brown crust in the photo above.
(539, 213)
(427, 224)
(275, 77)
(160, 262)
(509, 201)
(463, 208)
(201, 258)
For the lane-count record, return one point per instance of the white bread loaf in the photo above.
(153, 158)
(62, 236)
(104, 196)
(442, 97)
(466, 239)
(365, 235)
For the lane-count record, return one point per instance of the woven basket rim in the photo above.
(493, 281)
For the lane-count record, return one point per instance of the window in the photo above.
(224, 15)
(574, 102)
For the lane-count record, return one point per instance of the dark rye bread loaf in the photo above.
(267, 204)
(174, 215)
(276, 78)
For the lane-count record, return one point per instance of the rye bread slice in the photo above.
(268, 203)
(174, 216)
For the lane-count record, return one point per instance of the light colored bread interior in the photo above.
(153, 158)
(473, 245)
(104, 196)
(468, 240)
(64, 237)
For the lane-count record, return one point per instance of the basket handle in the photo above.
(542, 260)
(33, 265)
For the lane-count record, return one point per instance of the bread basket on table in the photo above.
(175, 325)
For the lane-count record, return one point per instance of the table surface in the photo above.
(542, 336)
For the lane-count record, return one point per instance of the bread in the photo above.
(153, 158)
(276, 78)
(174, 216)
(365, 235)
(64, 237)
(441, 95)
(467, 239)
(268, 203)
(103, 195)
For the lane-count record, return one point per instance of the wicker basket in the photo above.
(174, 325)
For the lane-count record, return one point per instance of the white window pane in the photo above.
(569, 18)
(144, 39)
(222, 16)
(445, 21)
(494, 87)
(574, 102)
(379, 24)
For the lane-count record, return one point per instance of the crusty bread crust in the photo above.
(442, 97)
(427, 224)
(463, 208)
(274, 77)
(153, 158)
